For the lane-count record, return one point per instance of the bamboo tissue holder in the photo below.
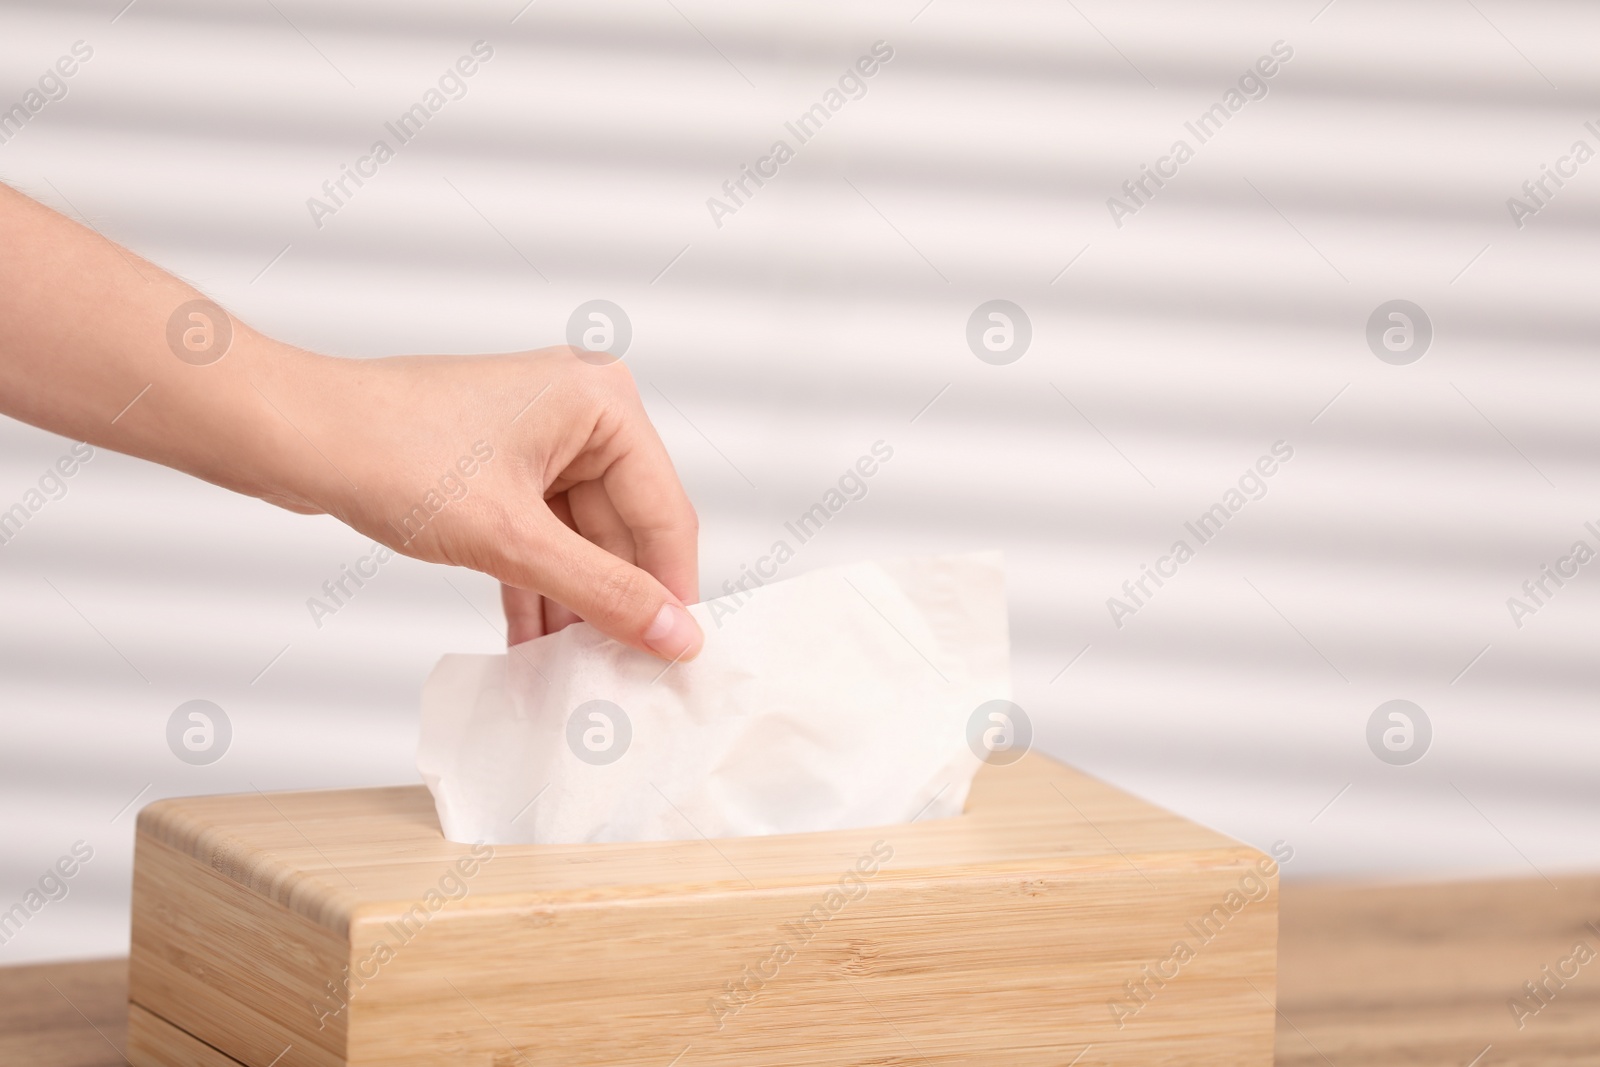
(1058, 921)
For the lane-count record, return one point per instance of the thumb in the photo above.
(615, 597)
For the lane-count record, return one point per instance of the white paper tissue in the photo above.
(840, 698)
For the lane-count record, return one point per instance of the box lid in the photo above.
(337, 856)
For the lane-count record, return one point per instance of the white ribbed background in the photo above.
(821, 318)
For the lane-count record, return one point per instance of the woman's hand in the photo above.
(539, 468)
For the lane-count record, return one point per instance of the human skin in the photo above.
(578, 511)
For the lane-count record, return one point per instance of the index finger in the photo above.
(645, 490)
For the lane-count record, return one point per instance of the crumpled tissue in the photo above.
(845, 697)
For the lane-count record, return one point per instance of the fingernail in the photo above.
(674, 634)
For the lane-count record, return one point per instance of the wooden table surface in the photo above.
(1368, 977)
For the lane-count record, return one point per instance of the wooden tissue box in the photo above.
(1058, 921)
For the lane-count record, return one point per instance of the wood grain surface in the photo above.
(1001, 936)
(64, 1014)
(327, 854)
(1423, 974)
(1368, 977)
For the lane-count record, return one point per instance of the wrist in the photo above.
(288, 441)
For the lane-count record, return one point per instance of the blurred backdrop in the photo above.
(1162, 335)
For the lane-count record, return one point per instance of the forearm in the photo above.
(84, 352)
